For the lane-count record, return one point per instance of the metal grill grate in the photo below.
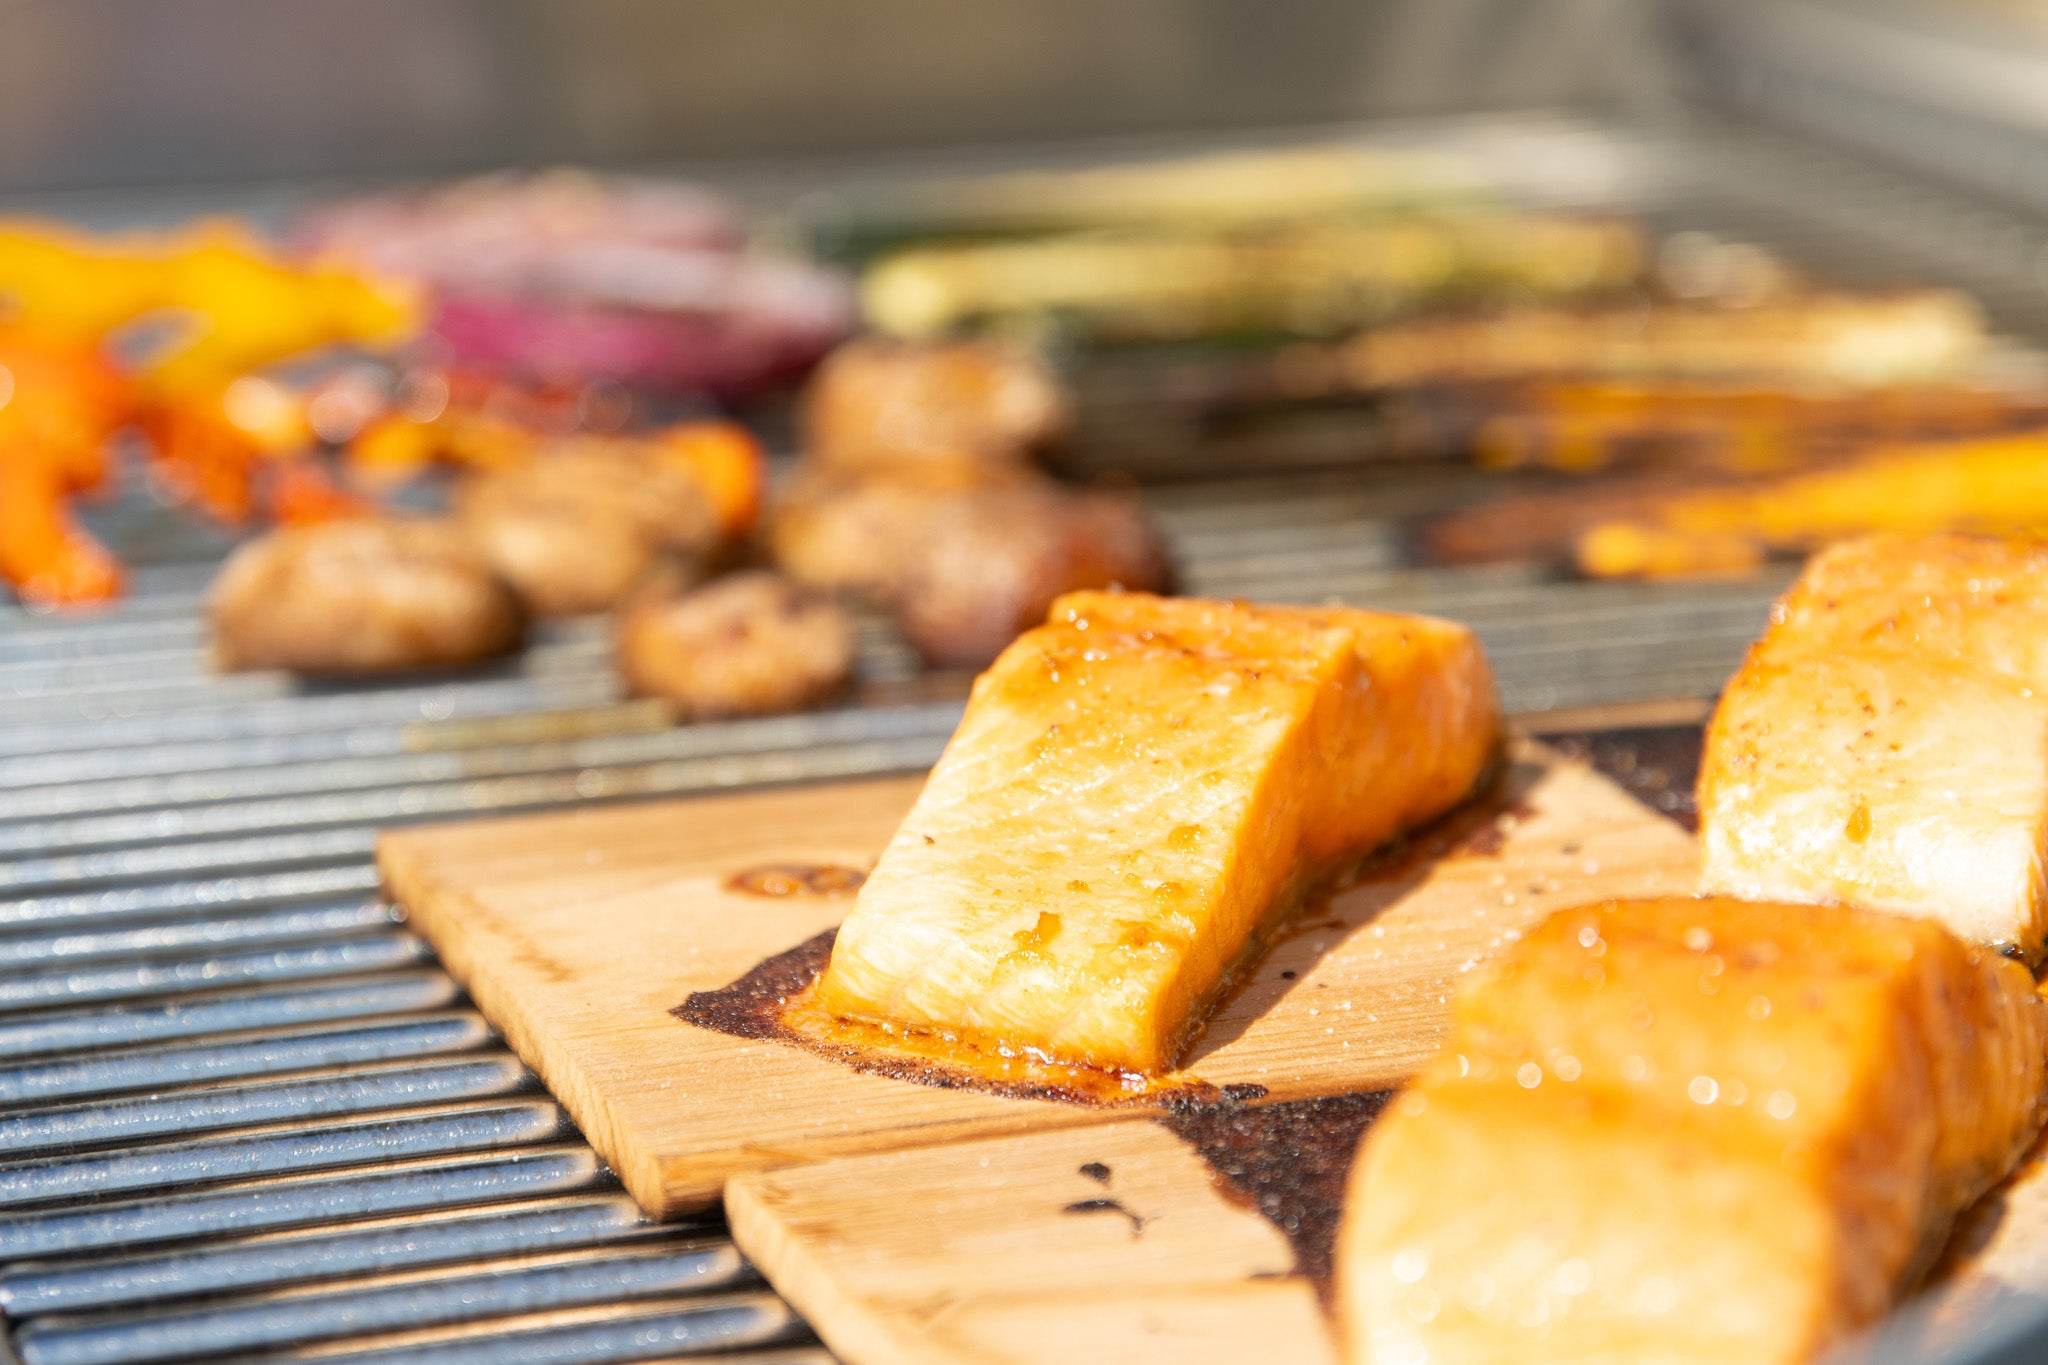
(242, 1112)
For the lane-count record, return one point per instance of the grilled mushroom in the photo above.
(747, 644)
(361, 596)
(993, 563)
(882, 405)
(574, 530)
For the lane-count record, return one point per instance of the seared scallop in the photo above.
(361, 596)
(882, 405)
(747, 644)
(574, 530)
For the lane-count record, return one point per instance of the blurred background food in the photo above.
(582, 369)
(565, 278)
(936, 395)
(571, 363)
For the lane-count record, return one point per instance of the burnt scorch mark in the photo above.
(783, 881)
(1096, 1172)
(1485, 843)
(751, 1007)
(1107, 1206)
(757, 1006)
(1287, 1162)
(1659, 765)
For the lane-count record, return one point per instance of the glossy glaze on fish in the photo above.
(1886, 742)
(1139, 791)
(1688, 1131)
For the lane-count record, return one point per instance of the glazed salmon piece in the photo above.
(1805, 1021)
(1140, 789)
(1488, 1228)
(1706, 1129)
(1886, 742)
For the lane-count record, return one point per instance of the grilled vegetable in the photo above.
(1227, 189)
(1997, 484)
(1714, 426)
(1139, 792)
(1313, 279)
(1869, 339)
(60, 404)
(221, 436)
(562, 275)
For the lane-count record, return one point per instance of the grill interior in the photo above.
(244, 1114)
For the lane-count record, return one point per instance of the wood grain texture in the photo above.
(966, 1252)
(577, 933)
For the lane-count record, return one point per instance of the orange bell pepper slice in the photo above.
(727, 462)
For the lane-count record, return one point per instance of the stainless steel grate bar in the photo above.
(303, 1200)
(122, 904)
(222, 1012)
(310, 844)
(385, 806)
(476, 1127)
(361, 1088)
(402, 769)
(119, 981)
(288, 924)
(684, 1327)
(99, 691)
(270, 1260)
(118, 634)
(425, 1299)
(99, 728)
(237, 1057)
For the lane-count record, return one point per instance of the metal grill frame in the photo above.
(244, 1115)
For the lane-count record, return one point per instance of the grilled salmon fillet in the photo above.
(1886, 742)
(1688, 1131)
(1140, 788)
